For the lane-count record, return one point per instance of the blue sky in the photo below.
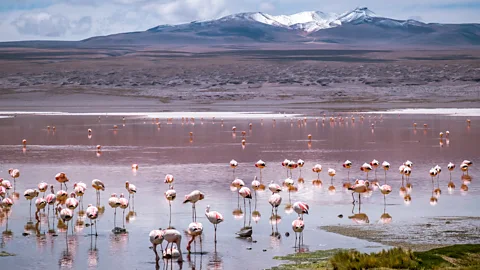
(79, 19)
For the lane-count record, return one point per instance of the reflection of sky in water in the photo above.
(203, 164)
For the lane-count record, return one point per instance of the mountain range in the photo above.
(360, 26)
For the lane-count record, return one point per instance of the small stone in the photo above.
(287, 234)
(249, 248)
(448, 222)
(25, 234)
(340, 216)
(428, 225)
(254, 241)
(264, 250)
(87, 225)
(54, 235)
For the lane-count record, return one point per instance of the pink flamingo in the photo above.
(360, 187)
(298, 225)
(170, 195)
(275, 200)
(98, 185)
(156, 238)
(274, 188)
(366, 168)
(386, 167)
(30, 194)
(66, 215)
(62, 179)
(195, 229)
(169, 179)
(246, 194)
(347, 165)
(51, 199)
(260, 165)
(132, 190)
(301, 208)
(215, 218)
(193, 198)
(374, 163)
(317, 169)
(233, 165)
(42, 187)
(40, 203)
(6, 184)
(114, 202)
(123, 206)
(92, 214)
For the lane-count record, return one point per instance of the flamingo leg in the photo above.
(96, 234)
(170, 217)
(215, 237)
(115, 218)
(157, 258)
(123, 219)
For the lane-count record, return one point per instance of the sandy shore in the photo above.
(434, 233)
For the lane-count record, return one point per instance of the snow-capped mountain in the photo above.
(308, 21)
(355, 27)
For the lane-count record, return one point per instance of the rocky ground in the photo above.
(269, 79)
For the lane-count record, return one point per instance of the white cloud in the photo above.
(79, 19)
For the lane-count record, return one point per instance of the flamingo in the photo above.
(465, 164)
(233, 165)
(401, 169)
(256, 184)
(114, 202)
(331, 173)
(374, 163)
(42, 187)
(298, 225)
(3, 191)
(6, 184)
(156, 238)
(285, 164)
(386, 167)
(14, 173)
(347, 165)
(408, 163)
(301, 208)
(170, 195)
(92, 214)
(292, 165)
(246, 194)
(51, 199)
(30, 194)
(40, 203)
(7, 203)
(62, 179)
(173, 236)
(193, 198)
(98, 185)
(79, 192)
(384, 189)
(275, 200)
(274, 188)
(260, 165)
(215, 218)
(71, 203)
(366, 168)
(66, 215)
(195, 229)
(407, 171)
(300, 164)
(360, 187)
(289, 183)
(168, 179)
(61, 196)
(134, 167)
(450, 168)
(123, 206)
(132, 190)
(317, 169)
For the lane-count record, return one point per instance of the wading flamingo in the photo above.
(215, 218)
(170, 195)
(193, 198)
(260, 165)
(374, 163)
(123, 205)
(317, 169)
(298, 225)
(366, 168)
(62, 179)
(98, 186)
(233, 165)
(347, 165)
(275, 200)
(114, 202)
(386, 167)
(132, 190)
(168, 179)
(274, 188)
(30, 194)
(66, 215)
(42, 187)
(301, 208)
(195, 229)
(156, 238)
(92, 214)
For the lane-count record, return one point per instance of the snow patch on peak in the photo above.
(357, 15)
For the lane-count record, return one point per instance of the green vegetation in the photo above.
(451, 257)
(5, 254)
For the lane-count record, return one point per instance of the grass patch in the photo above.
(451, 257)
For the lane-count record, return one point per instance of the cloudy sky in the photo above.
(79, 19)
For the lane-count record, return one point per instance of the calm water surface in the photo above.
(201, 163)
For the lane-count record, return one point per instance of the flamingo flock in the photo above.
(65, 204)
